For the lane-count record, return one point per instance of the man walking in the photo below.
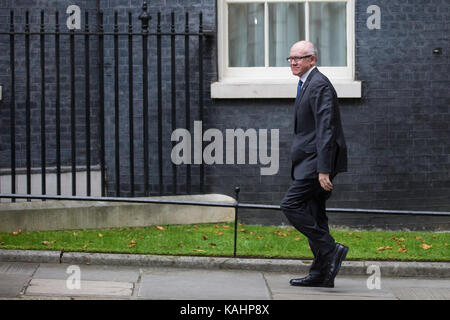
(318, 153)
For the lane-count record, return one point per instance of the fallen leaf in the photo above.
(85, 246)
(140, 237)
(426, 246)
(204, 237)
(433, 236)
(15, 233)
(216, 226)
(19, 231)
(384, 248)
(159, 228)
(297, 239)
(220, 233)
(251, 233)
(446, 244)
(226, 227)
(401, 250)
(199, 250)
(418, 238)
(100, 235)
(131, 245)
(243, 230)
(195, 226)
(181, 245)
(133, 242)
(281, 234)
(259, 238)
(75, 234)
(2, 243)
(212, 245)
(350, 233)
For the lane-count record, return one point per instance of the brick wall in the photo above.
(397, 133)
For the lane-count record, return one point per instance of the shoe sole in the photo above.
(307, 285)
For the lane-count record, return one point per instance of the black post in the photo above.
(73, 112)
(13, 107)
(28, 101)
(187, 96)
(43, 146)
(200, 89)
(236, 191)
(159, 74)
(145, 17)
(130, 98)
(58, 108)
(102, 101)
(174, 98)
(116, 104)
(88, 106)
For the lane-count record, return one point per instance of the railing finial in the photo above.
(144, 17)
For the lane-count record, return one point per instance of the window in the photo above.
(254, 38)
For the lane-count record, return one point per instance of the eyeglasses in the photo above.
(297, 59)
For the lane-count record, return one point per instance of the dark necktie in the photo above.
(299, 88)
(299, 91)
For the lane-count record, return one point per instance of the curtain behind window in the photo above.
(327, 30)
(286, 26)
(246, 35)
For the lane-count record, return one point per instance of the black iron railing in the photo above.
(79, 42)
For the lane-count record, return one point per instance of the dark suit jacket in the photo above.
(319, 143)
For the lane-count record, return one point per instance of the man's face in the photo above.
(299, 68)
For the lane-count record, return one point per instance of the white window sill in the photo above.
(270, 88)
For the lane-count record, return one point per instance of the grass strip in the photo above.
(217, 240)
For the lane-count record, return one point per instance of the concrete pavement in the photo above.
(37, 280)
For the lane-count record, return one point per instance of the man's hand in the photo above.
(324, 180)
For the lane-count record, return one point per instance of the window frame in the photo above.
(255, 82)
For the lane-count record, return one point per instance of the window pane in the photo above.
(328, 32)
(286, 26)
(246, 35)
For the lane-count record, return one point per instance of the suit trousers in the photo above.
(304, 207)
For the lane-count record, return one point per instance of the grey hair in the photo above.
(314, 51)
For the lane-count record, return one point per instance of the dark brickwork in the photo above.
(397, 133)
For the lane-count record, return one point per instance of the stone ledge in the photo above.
(66, 215)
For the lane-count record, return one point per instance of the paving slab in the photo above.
(345, 288)
(418, 289)
(88, 272)
(11, 285)
(421, 293)
(20, 268)
(173, 283)
(52, 287)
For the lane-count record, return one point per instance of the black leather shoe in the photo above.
(340, 252)
(308, 281)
